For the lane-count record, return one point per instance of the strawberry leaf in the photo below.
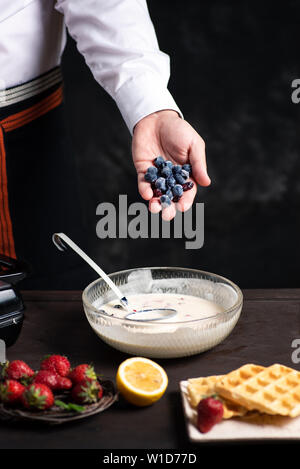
(61, 404)
(70, 406)
(214, 396)
(46, 356)
(77, 408)
(26, 380)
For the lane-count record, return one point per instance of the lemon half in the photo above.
(141, 381)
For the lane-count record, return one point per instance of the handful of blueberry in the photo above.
(168, 181)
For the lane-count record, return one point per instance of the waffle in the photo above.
(199, 387)
(272, 390)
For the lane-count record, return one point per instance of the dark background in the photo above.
(232, 64)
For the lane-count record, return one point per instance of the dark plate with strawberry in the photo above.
(54, 394)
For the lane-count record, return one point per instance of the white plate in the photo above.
(264, 427)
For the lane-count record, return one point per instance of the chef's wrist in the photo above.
(156, 117)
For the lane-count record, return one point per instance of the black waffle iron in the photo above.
(11, 304)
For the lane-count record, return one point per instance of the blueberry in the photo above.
(184, 174)
(169, 193)
(160, 183)
(169, 164)
(179, 178)
(166, 172)
(176, 169)
(171, 181)
(150, 177)
(187, 167)
(187, 186)
(152, 170)
(159, 162)
(177, 190)
(165, 201)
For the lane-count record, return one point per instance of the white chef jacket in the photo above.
(116, 38)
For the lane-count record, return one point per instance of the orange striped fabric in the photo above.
(7, 244)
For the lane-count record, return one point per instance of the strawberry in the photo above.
(82, 373)
(63, 383)
(17, 370)
(210, 411)
(87, 392)
(37, 396)
(52, 380)
(47, 377)
(57, 363)
(11, 391)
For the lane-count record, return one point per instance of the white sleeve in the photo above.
(118, 42)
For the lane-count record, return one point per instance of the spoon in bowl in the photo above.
(60, 239)
(156, 314)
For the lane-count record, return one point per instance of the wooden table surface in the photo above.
(55, 323)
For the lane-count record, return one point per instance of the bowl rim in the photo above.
(226, 312)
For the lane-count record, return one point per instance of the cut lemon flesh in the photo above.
(141, 381)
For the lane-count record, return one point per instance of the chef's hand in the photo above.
(165, 133)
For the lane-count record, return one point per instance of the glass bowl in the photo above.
(156, 339)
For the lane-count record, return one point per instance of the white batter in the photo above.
(188, 307)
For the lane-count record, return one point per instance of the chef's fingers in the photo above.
(144, 187)
(198, 161)
(187, 199)
(154, 205)
(169, 212)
